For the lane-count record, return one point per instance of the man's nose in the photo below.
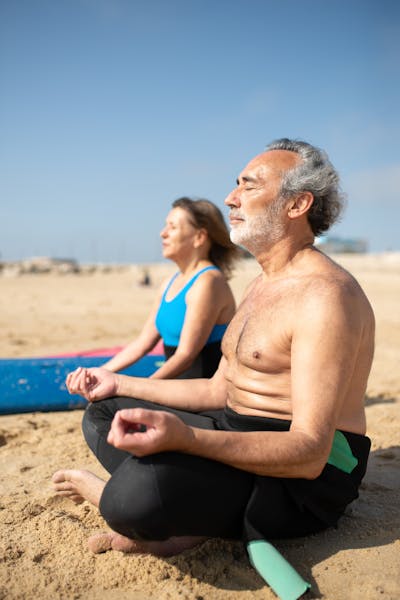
(232, 199)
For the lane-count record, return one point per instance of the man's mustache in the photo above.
(234, 214)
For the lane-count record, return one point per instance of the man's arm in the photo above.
(185, 394)
(262, 453)
(194, 395)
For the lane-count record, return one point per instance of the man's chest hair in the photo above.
(261, 329)
(266, 303)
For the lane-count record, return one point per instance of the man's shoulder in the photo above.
(325, 272)
(327, 275)
(330, 287)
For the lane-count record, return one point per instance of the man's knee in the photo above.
(98, 416)
(131, 504)
(89, 429)
(173, 494)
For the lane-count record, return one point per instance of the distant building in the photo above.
(332, 245)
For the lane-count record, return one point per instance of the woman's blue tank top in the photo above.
(171, 314)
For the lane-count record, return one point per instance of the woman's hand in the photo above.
(93, 384)
(143, 432)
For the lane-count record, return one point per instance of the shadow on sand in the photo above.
(380, 399)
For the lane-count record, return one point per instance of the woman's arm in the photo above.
(145, 341)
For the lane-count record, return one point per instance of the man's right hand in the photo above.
(163, 432)
(93, 384)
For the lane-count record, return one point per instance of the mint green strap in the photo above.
(270, 564)
(341, 455)
(276, 571)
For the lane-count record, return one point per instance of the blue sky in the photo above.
(111, 109)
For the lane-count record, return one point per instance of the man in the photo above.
(274, 444)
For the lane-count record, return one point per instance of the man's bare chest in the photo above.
(259, 335)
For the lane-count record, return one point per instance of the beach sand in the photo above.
(43, 551)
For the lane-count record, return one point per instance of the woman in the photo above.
(194, 307)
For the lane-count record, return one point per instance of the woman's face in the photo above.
(178, 235)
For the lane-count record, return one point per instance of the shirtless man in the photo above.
(274, 444)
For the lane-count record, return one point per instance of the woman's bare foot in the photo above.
(102, 542)
(78, 485)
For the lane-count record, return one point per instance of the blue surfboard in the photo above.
(38, 384)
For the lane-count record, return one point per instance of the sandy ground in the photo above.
(43, 539)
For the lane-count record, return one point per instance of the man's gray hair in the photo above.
(316, 174)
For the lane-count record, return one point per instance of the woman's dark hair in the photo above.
(205, 215)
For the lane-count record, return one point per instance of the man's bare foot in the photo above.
(78, 485)
(102, 542)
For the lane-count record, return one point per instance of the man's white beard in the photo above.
(258, 232)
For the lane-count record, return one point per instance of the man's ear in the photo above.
(300, 205)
